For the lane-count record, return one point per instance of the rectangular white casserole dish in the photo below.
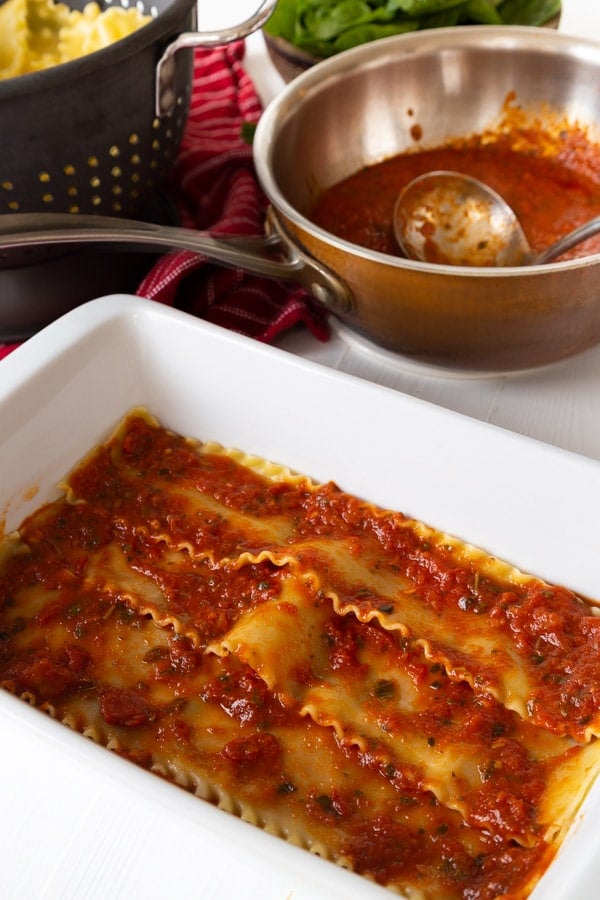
(79, 821)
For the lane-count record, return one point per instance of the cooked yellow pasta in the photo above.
(37, 34)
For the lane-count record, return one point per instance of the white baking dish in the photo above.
(80, 822)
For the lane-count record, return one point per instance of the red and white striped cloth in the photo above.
(215, 189)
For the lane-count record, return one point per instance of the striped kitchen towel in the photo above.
(214, 188)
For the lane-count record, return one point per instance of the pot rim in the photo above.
(163, 25)
(373, 54)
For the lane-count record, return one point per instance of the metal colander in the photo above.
(99, 134)
(84, 136)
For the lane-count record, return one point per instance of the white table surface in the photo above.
(559, 405)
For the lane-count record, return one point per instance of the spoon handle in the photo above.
(585, 231)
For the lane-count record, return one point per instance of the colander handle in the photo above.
(165, 70)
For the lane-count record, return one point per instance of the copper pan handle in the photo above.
(165, 70)
(273, 255)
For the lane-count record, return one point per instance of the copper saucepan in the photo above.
(363, 106)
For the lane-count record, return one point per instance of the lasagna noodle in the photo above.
(195, 600)
(275, 646)
(409, 716)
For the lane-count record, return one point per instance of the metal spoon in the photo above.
(453, 219)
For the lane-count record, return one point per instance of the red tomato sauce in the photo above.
(551, 194)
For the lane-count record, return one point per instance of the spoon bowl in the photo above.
(453, 219)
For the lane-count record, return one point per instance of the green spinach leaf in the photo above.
(326, 27)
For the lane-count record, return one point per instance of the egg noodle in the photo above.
(38, 34)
